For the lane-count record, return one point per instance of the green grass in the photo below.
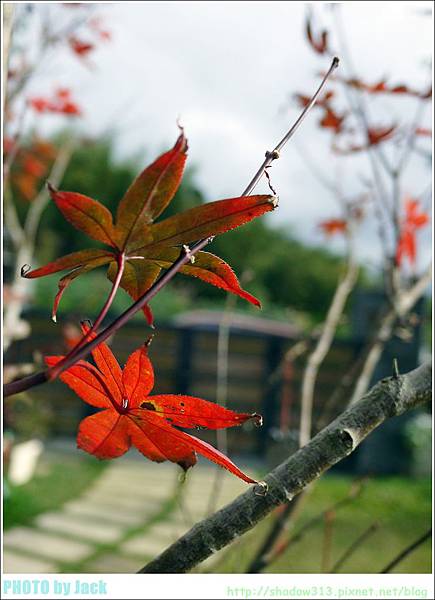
(57, 481)
(401, 507)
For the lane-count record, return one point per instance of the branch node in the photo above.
(188, 253)
(51, 188)
(25, 269)
(272, 155)
(261, 488)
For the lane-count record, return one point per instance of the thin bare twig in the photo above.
(284, 520)
(324, 343)
(100, 318)
(402, 555)
(354, 546)
(329, 520)
(273, 548)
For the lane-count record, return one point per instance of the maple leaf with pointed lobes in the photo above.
(414, 219)
(149, 247)
(331, 120)
(131, 417)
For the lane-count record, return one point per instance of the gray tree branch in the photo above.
(388, 398)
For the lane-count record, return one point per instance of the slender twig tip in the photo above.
(335, 62)
(396, 373)
(179, 125)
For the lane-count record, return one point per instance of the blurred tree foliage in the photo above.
(283, 272)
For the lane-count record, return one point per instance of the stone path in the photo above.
(133, 511)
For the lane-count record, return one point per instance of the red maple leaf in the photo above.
(413, 220)
(375, 135)
(149, 247)
(31, 164)
(323, 101)
(80, 47)
(423, 131)
(40, 104)
(60, 103)
(382, 87)
(34, 167)
(331, 120)
(333, 226)
(131, 417)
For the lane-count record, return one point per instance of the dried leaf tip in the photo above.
(181, 143)
(258, 422)
(25, 269)
(274, 200)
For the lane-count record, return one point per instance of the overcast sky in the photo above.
(228, 70)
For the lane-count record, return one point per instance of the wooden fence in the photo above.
(184, 359)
